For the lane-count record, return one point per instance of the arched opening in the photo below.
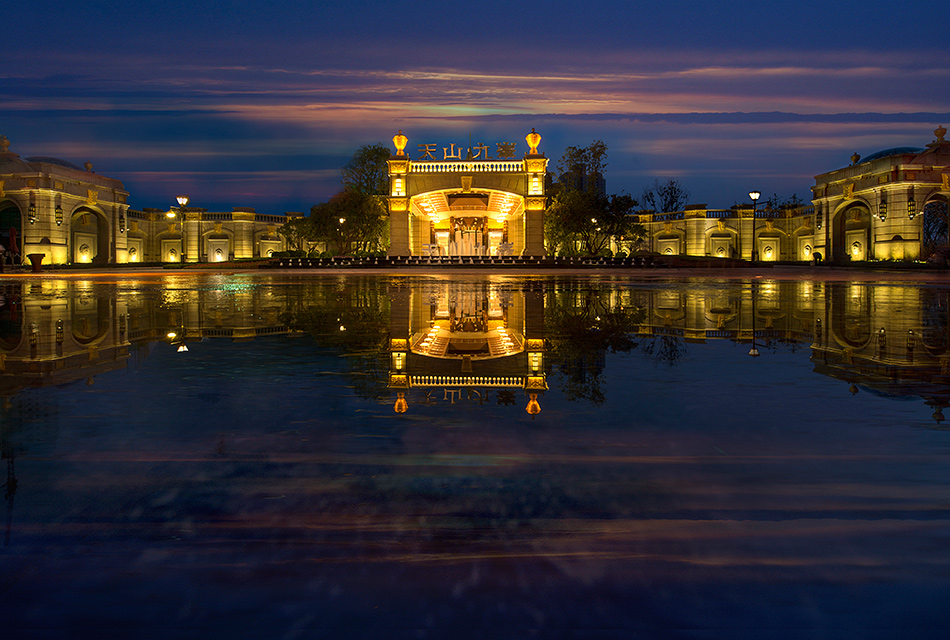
(11, 231)
(721, 243)
(935, 228)
(89, 237)
(89, 318)
(467, 223)
(850, 239)
(11, 318)
(851, 314)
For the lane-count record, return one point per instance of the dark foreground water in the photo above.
(588, 458)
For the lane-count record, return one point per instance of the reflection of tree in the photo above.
(934, 309)
(353, 321)
(581, 326)
(664, 349)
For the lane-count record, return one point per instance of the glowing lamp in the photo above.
(533, 407)
(399, 141)
(401, 405)
(533, 139)
(182, 201)
(59, 215)
(911, 209)
(755, 195)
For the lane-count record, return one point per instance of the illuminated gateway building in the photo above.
(487, 203)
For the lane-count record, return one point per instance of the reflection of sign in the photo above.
(505, 151)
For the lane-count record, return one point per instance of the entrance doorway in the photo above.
(10, 230)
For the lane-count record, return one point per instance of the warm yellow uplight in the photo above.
(533, 408)
(399, 141)
(401, 405)
(171, 335)
(533, 139)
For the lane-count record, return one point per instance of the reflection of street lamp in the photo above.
(755, 252)
(753, 351)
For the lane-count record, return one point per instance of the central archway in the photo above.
(475, 223)
(11, 231)
(850, 240)
(88, 237)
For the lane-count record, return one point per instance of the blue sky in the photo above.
(245, 104)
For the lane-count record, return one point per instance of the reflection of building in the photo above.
(53, 332)
(475, 206)
(891, 339)
(457, 342)
(73, 215)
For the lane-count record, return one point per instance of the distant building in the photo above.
(881, 207)
(891, 205)
(71, 215)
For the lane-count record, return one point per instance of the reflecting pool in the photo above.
(287, 456)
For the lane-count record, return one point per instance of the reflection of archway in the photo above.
(89, 237)
(935, 332)
(89, 318)
(851, 232)
(10, 219)
(851, 315)
(470, 324)
(934, 226)
(11, 319)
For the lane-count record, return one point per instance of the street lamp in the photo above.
(755, 195)
(182, 203)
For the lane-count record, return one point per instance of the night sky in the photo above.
(259, 104)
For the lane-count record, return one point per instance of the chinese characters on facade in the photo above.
(503, 151)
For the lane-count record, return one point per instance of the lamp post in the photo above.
(755, 195)
(182, 203)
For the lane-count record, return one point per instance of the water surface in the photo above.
(211, 456)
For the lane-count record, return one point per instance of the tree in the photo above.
(580, 168)
(776, 203)
(351, 221)
(935, 225)
(297, 232)
(580, 211)
(593, 219)
(367, 171)
(665, 196)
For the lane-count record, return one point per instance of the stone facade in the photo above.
(874, 208)
(71, 215)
